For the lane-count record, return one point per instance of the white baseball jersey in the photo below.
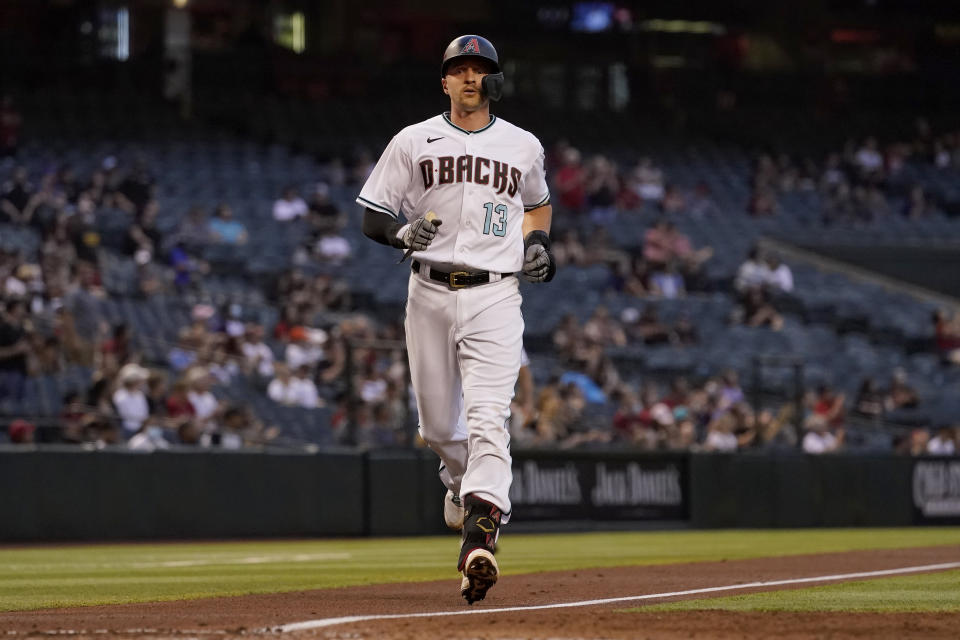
(479, 183)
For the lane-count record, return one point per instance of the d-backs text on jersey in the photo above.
(467, 168)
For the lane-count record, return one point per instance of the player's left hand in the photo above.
(539, 264)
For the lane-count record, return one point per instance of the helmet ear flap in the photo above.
(492, 86)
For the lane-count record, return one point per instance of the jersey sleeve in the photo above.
(389, 180)
(535, 192)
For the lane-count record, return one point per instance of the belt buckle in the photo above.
(453, 279)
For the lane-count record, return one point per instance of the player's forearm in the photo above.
(381, 227)
(537, 219)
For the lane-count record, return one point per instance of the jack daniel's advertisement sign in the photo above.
(583, 487)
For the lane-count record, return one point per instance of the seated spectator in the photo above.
(289, 206)
(668, 283)
(603, 329)
(664, 244)
(729, 392)
(21, 431)
(720, 437)
(648, 328)
(235, 423)
(868, 159)
(779, 278)
(14, 347)
(258, 357)
(649, 181)
(157, 392)
(673, 201)
(130, 400)
(148, 438)
(944, 443)
(224, 229)
(567, 335)
(305, 347)
(828, 406)
(833, 174)
(325, 215)
(14, 196)
(567, 249)
(756, 310)
(205, 405)
(819, 439)
(900, 395)
(763, 202)
(178, 402)
(136, 189)
(143, 235)
(601, 191)
(870, 399)
(332, 248)
(917, 205)
(290, 390)
(947, 335)
(190, 434)
(570, 182)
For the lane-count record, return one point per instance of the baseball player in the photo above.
(474, 194)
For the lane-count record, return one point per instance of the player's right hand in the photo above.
(420, 234)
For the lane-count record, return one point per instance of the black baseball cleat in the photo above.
(481, 526)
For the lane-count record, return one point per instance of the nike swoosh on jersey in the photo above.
(429, 139)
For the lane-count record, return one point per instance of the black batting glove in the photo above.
(420, 234)
(539, 264)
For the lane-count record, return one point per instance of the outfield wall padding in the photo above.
(729, 490)
(106, 495)
(71, 494)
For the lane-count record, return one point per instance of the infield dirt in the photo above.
(247, 616)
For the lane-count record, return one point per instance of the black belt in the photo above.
(457, 279)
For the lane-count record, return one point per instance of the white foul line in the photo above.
(329, 622)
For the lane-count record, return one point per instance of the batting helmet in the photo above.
(476, 47)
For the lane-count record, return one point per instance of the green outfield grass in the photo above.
(40, 577)
(936, 592)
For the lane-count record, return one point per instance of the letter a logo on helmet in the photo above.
(471, 47)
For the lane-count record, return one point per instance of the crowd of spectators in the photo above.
(49, 319)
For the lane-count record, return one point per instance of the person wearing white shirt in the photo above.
(819, 439)
(204, 403)
(149, 438)
(868, 158)
(256, 354)
(283, 388)
(293, 391)
(779, 276)
(130, 400)
(943, 444)
(305, 347)
(307, 395)
(290, 206)
(752, 273)
(720, 437)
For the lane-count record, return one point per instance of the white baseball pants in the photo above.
(464, 348)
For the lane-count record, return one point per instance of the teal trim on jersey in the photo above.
(377, 207)
(542, 203)
(446, 118)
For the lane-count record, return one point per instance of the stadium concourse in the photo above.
(190, 287)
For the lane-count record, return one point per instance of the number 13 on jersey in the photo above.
(499, 228)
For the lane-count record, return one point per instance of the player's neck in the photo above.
(470, 120)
